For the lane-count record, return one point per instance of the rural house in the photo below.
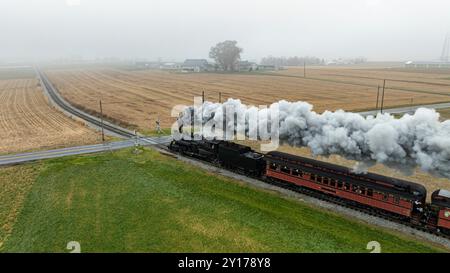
(246, 66)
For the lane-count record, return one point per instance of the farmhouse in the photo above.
(195, 65)
(246, 66)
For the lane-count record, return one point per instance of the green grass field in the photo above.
(149, 202)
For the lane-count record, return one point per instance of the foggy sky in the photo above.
(380, 30)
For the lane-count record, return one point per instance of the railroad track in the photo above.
(55, 97)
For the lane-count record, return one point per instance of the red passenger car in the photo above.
(440, 203)
(399, 197)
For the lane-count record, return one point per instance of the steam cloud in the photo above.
(405, 143)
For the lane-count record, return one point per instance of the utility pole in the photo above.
(203, 96)
(101, 121)
(304, 69)
(378, 96)
(382, 98)
(220, 97)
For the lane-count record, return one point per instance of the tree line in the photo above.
(292, 61)
(299, 61)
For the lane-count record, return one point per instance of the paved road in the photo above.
(109, 146)
(407, 109)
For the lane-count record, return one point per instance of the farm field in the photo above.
(137, 98)
(127, 202)
(445, 113)
(28, 122)
(396, 79)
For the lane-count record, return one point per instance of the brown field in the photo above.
(137, 97)
(396, 78)
(445, 113)
(28, 122)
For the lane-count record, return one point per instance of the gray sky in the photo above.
(380, 30)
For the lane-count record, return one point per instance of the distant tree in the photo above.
(226, 54)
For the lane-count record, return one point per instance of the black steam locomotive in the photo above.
(395, 198)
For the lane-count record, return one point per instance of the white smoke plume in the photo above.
(404, 143)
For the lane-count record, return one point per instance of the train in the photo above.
(393, 198)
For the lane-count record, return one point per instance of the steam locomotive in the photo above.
(397, 199)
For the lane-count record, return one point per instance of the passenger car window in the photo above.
(333, 183)
(369, 192)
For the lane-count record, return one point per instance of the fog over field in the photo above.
(176, 29)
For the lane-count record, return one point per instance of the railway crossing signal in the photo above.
(158, 126)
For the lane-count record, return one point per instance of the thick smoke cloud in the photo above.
(405, 143)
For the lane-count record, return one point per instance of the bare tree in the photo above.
(226, 54)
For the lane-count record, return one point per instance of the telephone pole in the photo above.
(382, 97)
(101, 121)
(203, 96)
(220, 97)
(304, 69)
(378, 96)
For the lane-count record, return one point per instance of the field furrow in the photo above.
(140, 97)
(28, 122)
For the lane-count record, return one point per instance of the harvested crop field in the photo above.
(139, 97)
(445, 113)
(28, 122)
(433, 82)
